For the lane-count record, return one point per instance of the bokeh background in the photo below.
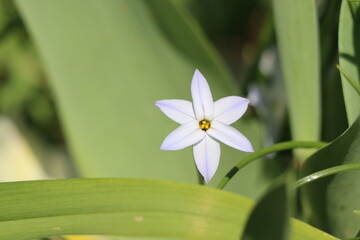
(78, 80)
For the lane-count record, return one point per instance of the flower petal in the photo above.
(183, 136)
(230, 136)
(181, 111)
(202, 98)
(229, 109)
(207, 156)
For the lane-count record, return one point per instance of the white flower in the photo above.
(203, 123)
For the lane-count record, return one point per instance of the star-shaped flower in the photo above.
(203, 124)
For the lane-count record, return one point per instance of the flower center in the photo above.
(204, 125)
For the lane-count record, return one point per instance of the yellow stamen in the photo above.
(204, 125)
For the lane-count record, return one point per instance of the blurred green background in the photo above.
(78, 80)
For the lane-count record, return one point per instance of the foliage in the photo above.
(78, 82)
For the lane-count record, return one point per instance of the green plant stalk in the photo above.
(350, 80)
(201, 180)
(263, 152)
(327, 172)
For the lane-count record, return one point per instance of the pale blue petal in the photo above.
(207, 156)
(181, 111)
(202, 99)
(229, 109)
(186, 135)
(230, 136)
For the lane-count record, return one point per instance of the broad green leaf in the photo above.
(352, 82)
(270, 217)
(186, 35)
(349, 55)
(101, 237)
(357, 212)
(329, 202)
(297, 36)
(108, 61)
(126, 207)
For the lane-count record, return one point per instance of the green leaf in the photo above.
(185, 34)
(329, 202)
(126, 207)
(108, 61)
(349, 52)
(357, 212)
(297, 35)
(270, 217)
(351, 81)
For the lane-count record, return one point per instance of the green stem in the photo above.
(201, 180)
(327, 172)
(350, 80)
(265, 151)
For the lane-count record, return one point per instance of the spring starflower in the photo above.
(203, 124)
